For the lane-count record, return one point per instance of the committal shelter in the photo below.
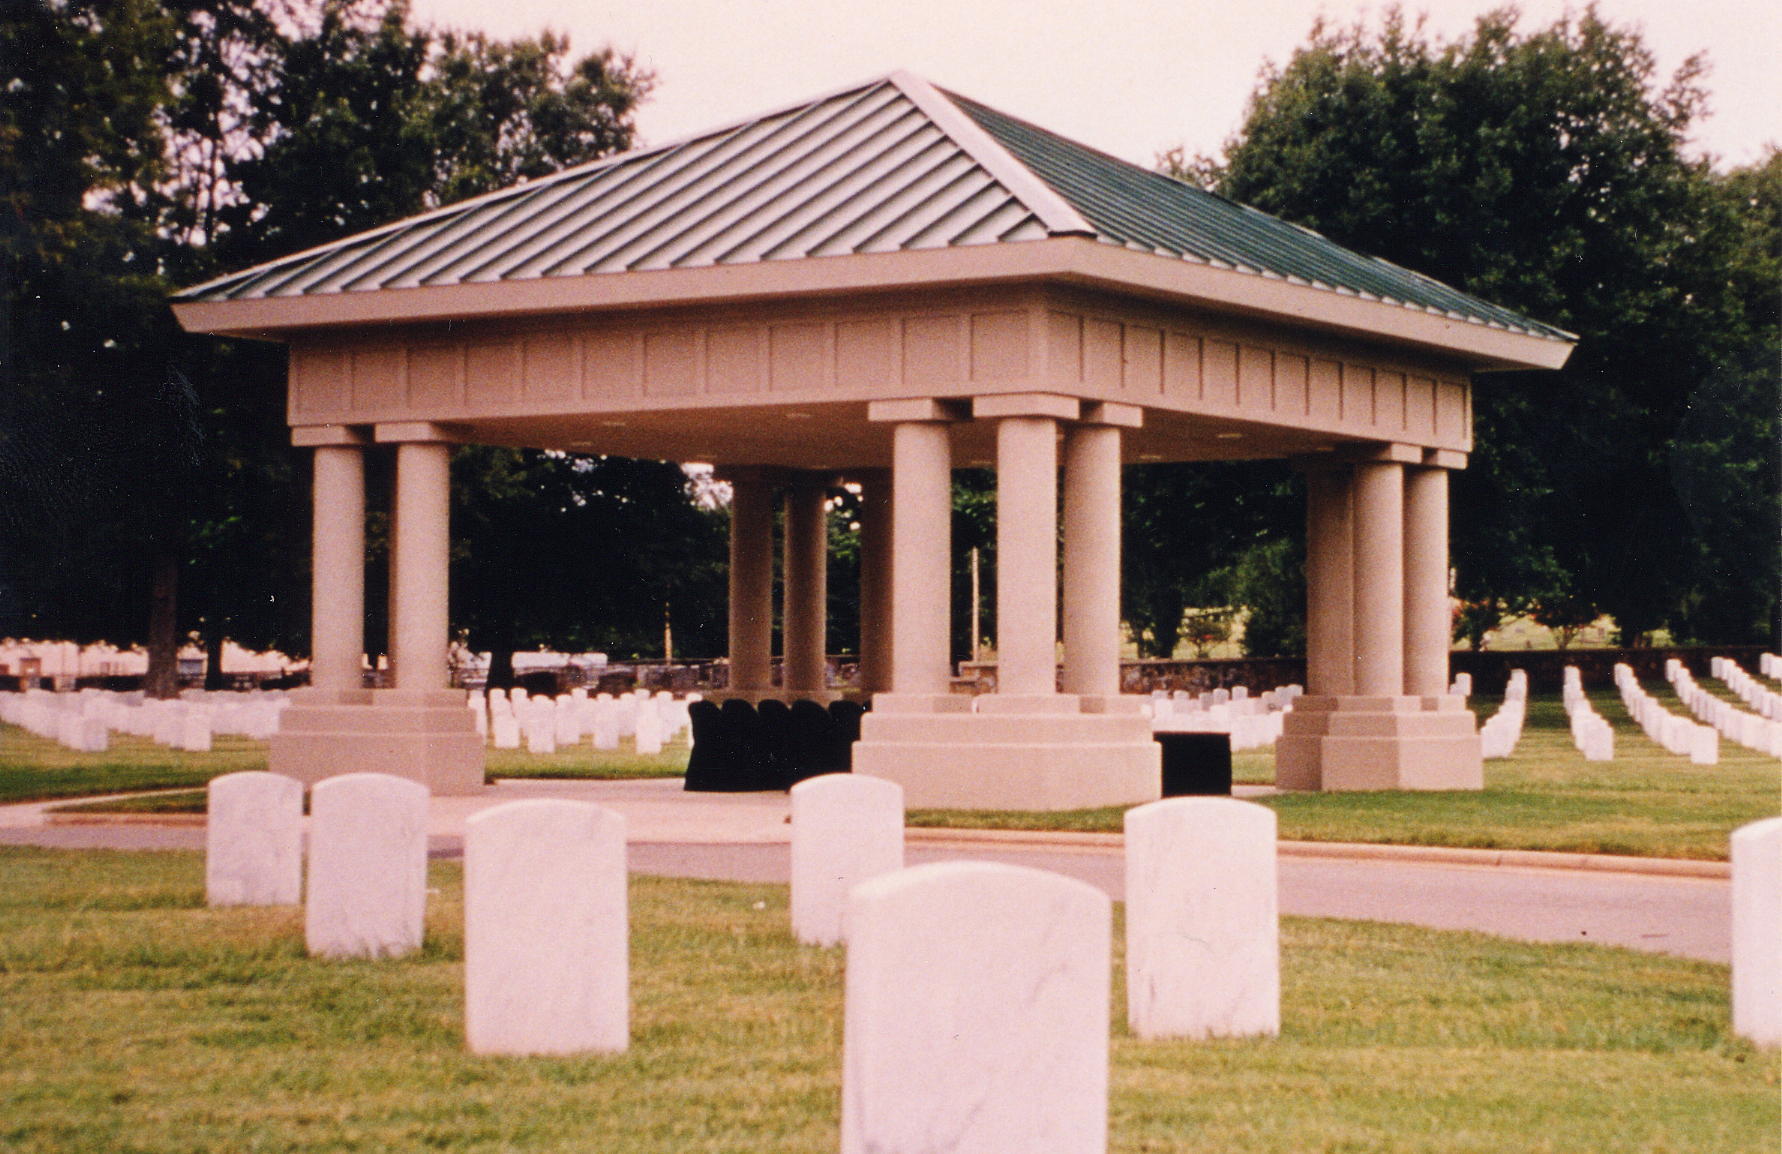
(875, 287)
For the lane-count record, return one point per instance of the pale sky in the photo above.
(1132, 77)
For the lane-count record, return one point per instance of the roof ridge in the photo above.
(940, 106)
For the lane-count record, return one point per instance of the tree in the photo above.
(581, 553)
(145, 144)
(1545, 171)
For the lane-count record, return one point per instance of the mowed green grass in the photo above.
(132, 1019)
(34, 768)
(1646, 802)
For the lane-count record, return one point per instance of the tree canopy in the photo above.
(1548, 170)
(146, 144)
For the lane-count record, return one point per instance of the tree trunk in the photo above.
(162, 679)
(214, 678)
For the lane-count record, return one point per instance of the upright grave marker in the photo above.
(845, 830)
(546, 967)
(1202, 921)
(367, 866)
(1757, 932)
(977, 1013)
(253, 840)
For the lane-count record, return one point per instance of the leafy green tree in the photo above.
(146, 144)
(1545, 170)
(582, 553)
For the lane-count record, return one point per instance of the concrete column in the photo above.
(337, 598)
(921, 565)
(1379, 579)
(751, 584)
(422, 554)
(1092, 560)
(875, 580)
(806, 589)
(1427, 628)
(1026, 556)
(1330, 582)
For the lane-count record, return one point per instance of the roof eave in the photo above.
(1075, 260)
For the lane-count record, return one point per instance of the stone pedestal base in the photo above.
(427, 736)
(1356, 743)
(1049, 756)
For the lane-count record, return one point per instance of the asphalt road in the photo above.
(1689, 917)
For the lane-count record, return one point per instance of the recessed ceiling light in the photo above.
(1150, 456)
(798, 416)
(614, 424)
(581, 444)
(1229, 436)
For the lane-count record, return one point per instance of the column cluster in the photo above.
(1377, 618)
(1029, 430)
(420, 551)
(804, 617)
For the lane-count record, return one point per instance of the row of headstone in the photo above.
(1676, 734)
(85, 720)
(544, 724)
(365, 890)
(1770, 665)
(976, 993)
(1751, 730)
(1763, 700)
(1502, 730)
(545, 921)
(1591, 732)
(1252, 722)
(1463, 685)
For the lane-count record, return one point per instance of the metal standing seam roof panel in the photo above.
(1149, 211)
(892, 164)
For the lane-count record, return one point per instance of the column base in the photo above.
(1008, 760)
(1334, 744)
(426, 736)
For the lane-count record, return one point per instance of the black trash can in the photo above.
(1196, 764)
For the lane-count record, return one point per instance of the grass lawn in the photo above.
(1646, 802)
(134, 1019)
(34, 768)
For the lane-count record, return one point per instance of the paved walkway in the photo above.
(1661, 906)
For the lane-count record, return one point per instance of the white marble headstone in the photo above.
(253, 840)
(367, 866)
(1757, 932)
(846, 829)
(195, 730)
(1203, 956)
(976, 1013)
(546, 969)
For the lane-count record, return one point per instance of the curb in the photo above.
(1353, 851)
(166, 819)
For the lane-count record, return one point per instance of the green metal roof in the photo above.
(894, 164)
(1146, 210)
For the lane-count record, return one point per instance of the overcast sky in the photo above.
(1133, 77)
